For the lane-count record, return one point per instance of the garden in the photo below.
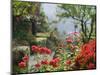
(50, 37)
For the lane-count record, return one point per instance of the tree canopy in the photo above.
(84, 15)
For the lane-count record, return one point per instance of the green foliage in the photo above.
(23, 8)
(84, 15)
(21, 29)
(21, 23)
(24, 14)
(42, 22)
(17, 56)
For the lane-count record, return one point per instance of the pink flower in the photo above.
(34, 48)
(25, 58)
(22, 64)
(69, 40)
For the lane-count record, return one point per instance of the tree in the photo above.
(84, 15)
(23, 8)
(21, 12)
(28, 19)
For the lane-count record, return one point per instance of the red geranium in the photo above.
(45, 50)
(37, 65)
(68, 62)
(48, 51)
(56, 59)
(54, 62)
(22, 64)
(45, 62)
(35, 48)
(25, 58)
(41, 50)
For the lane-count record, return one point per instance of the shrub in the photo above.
(86, 59)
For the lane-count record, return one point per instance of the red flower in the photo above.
(45, 62)
(55, 65)
(41, 50)
(91, 66)
(68, 62)
(48, 51)
(54, 62)
(37, 65)
(69, 40)
(34, 48)
(25, 58)
(86, 47)
(44, 50)
(22, 64)
(86, 55)
(93, 44)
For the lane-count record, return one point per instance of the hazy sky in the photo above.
(50, 11)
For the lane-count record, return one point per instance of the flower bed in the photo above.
(69, 55)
